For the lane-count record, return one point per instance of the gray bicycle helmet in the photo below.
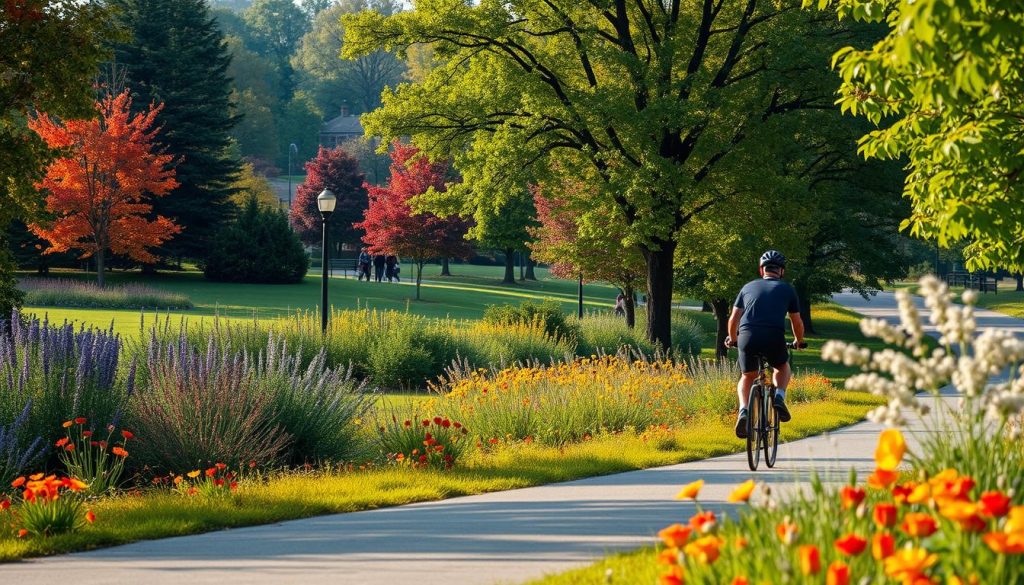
(773, 257)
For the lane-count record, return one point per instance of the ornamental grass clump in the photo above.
(906, 528)
(60, 374)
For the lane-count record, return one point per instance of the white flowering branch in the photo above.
(965, 358)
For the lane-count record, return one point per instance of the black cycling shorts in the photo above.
(770, 343)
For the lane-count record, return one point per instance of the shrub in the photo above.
(421, 441)
(203, 407)
(61, 374)
(258, 247)
(548, 313)
(604, 332)
(687, 335)
(66, 292)
(499, 345)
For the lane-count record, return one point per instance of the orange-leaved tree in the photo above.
(98, 190)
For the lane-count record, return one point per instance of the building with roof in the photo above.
(341, 129)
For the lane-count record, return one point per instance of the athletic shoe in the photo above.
(780, 407)
(741, 424)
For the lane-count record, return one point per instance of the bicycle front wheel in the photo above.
(754, 424)
(771, 433)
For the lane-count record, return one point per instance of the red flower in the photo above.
(703, 522)
(4, 505)
(437, 420)
(883, 545)
(446, 423)
(90, 517)
(120, 452)
(221, 466)
(426, 423)
(86, 434)
(18, 482)
(885, 514)
(80, 420)
(851, 544)
(69, 447)
(211, 472)
(919, 524)
(838, 574)
(851, 496)
(810, 559)
(408, 423)
(22, 533)
(994, 504)
(62, 442)
(127, 434)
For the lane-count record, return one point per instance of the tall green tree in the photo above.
(275, 28)
(176, 55)
(49, 53)
(653, 98)
(946, 87)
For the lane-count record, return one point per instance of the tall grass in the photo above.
(66, 292)
(60, 374)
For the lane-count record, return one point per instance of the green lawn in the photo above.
(158, 513)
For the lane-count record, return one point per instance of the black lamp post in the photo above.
(579, 291)
(292, 149)
(325, 202)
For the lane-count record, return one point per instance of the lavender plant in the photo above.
(16, 451)
(60, 374)
(66, 292)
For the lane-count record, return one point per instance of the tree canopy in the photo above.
(337, 170)
(653, 99)
(946, 87)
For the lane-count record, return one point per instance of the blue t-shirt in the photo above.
(765, 303)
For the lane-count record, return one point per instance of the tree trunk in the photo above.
(529, 267)
(419, 278)
(722, 310)
(659, 292)
(705, 307)
(1020, 282)
(510, 267)
(522, 265)
(444, 267)
(100, 267)
(630, 295)
(149, 269)
(805, 307)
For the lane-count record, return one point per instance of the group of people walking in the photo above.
(383, 266)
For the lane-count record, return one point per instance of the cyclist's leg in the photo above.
(748, 366)
(778, 356)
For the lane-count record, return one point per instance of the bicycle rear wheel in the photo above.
(754, 424)
(771, 431)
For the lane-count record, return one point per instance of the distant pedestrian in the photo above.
(378, 266)
(390, 264)
(364, 264)
(620, 305)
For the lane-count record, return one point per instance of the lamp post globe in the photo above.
(325, 202)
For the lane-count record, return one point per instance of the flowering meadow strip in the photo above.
(944, 528)
(67, 292)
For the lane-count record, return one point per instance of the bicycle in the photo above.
(762, 420)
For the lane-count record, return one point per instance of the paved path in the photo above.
(502, 537)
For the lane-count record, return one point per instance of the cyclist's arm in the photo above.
(798, 326)
(734, 323)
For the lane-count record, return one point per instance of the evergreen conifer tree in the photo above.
(175, 54)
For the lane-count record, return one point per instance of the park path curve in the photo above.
(502, 537)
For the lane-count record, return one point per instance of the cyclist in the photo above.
(758, 327)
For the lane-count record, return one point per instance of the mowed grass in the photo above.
(150, 513)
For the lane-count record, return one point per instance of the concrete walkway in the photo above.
(501, 537)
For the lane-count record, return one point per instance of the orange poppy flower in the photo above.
(669, 556)
(1004, 543)
(901, 491)
(674, 576)
(741, 543)
(885, 514)
(919, 524)
(703, 522)
(740, 581)
(787, 531)
(964, 513)
(69, 447)
(838, 574)
(909, 564)
(35, 477)
(194, 474)
(882, 546)
(119, 452)
(62, 442)
(994, 504)
(211, 472)
(675, 536)
(882, 479)
(851, 496)
(705, 549)
(810, 559)
(67, 424)
(22, 533)
(851, 544)
(690, 490)
(18, 482)
(742, 491)
(4, 505)
(90, 517)
(890, 450)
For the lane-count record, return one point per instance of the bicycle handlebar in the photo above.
(731, 344)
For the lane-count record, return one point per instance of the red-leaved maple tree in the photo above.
(393, 227)
(579, 241)
(337, 170)
(98, 191)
